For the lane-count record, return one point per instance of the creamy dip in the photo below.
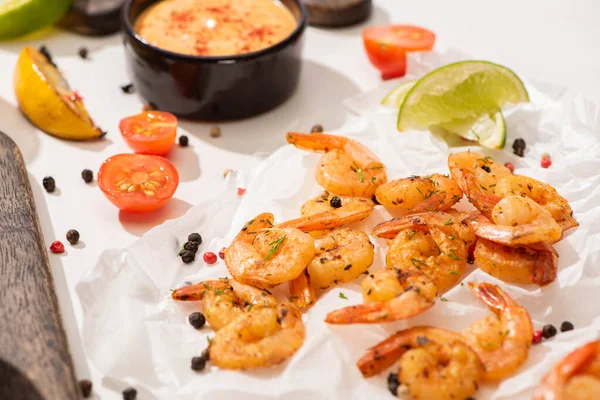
(215, 27)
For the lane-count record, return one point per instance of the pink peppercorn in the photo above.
(241, 191)
(210, 257)
(222, 253)
(546, 160)
(57, 247)
(537, 337)
(510, 166)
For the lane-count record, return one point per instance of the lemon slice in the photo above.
(467, 89)
(47, 100)
(20, 17)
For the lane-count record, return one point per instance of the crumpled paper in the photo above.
(138, 336)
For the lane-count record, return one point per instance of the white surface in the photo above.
(131, 322)
(554, 41)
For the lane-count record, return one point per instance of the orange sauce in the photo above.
(215, 27)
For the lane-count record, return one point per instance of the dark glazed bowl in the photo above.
(213, 88)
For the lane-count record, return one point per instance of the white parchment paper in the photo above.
(138, 336)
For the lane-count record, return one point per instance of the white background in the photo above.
(548, 40)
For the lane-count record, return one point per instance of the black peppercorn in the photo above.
(486, 168)
(566, 326)
(191, 246)
(316, 128)
(195, 237)
(335, 202)
(129, 394)
(206, 354)
(519, 147)
(197, 320)
(187, 256)
(198, 363)
(72, 236)
(87, 175)
(548, 331)
(393, 383)
(183, 141)
(86, 387)
(83, 53)
(128, 88)
(49, 184)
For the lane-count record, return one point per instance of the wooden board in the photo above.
(337, 13)
(35, 362)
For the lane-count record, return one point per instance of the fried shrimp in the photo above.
(535, 263)
(420, 194)
(318, 215)
(347, 169)
(433, 363)
(576, 377)
(477, 175)
(224, 300)
(542, 193)
(501, 341)
(302, 292)
(389, 295)
(265, 256)
(430, 243)
(260, 338)
(517, 221)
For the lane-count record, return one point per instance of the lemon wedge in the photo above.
(47, 100)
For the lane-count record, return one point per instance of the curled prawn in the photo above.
(535, 263)
(260, 338)
(347, 169)
(477, 175)
(518, 221)
(389, 295)
(224, 300)
(542, 193)
(433, 363)
(576, 377)
(429, 242)
(501, 341)
(420, 194)
(265, 256)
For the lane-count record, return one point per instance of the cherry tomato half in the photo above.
(387, 46)
(151, 132)
(137, 182)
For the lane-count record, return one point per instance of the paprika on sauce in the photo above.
(215, 27)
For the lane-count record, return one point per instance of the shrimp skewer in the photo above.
(501, 341)
(347, 169)
(434, 363)
(576, 377)
(265, 256)
(420, 194)
(224, 300)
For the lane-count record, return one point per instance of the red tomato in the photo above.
(137, 182)
(387, 46)
(151, 132)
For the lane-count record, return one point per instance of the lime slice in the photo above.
(20, 17)
(467, 89)
(395, 98)
(487, 130)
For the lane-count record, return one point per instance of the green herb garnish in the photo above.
(343, 296)
(274, 247)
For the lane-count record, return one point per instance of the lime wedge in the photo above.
(487, 130)
(467, 89)
(20, 17)
(395, 98)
